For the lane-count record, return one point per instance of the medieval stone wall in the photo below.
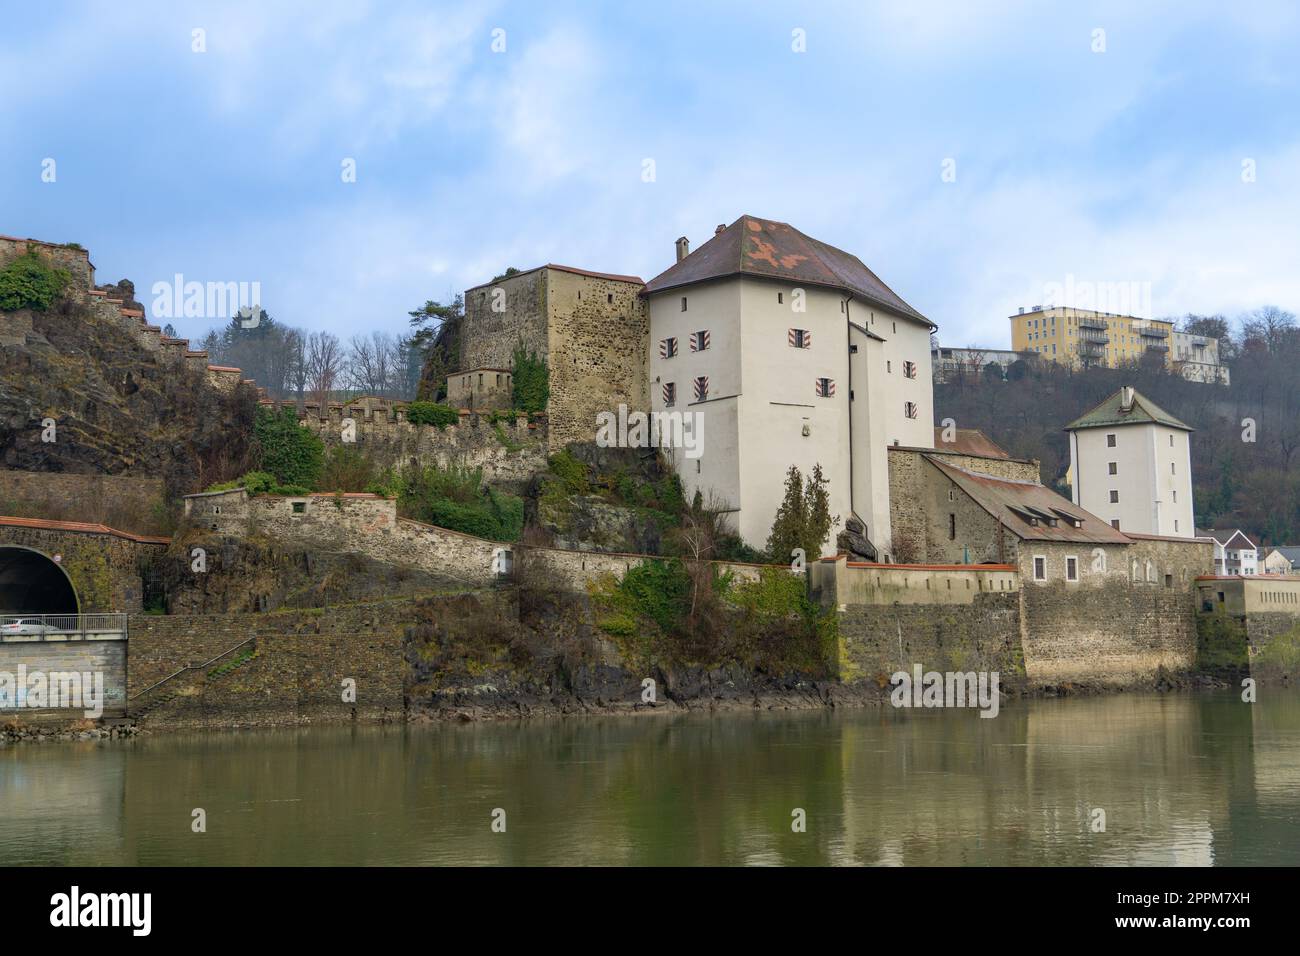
(599, 331)
(1107, 628)
(75, 261)
(494, 325)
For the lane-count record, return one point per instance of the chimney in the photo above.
(1126, 399)
(683, 248)
(722, 227)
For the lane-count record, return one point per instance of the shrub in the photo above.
(29, 282)
(456, 498)
(260, 483)
(431, 413)
(290, 452)
(531, 385)
(347, 469)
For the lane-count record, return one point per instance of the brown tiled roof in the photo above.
(776, 250)
(1011, 502)
(968, 441)
(81, 527)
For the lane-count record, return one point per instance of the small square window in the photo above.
(299, 507)
(1071, 569)
(670, 393)
(1040, 569)
(825, 388)
(1114, 523)
(683, 303)
(1114, 497)
(1112, 468)
(910, 409)
(1110, 439)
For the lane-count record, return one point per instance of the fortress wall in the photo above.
(1111, 628)
(945, 618)
(76, 261)
(303, 657)
(126, 503)
(509, 451)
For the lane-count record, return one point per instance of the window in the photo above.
(1040, 568)
(699, 341)
(1114, 523)
(1114, 497)
(1110, 439)
(670, 393)
(701, 388)
(779, 298)
(889, 366)
(1175, 497)
(1175, 526)
(609, 297)
(825, 388)
(910, 409)
(1173, 468)
(683, 303)
(299, 507)
(1071, 568)
(909, 370)
(1112, 468)
(668, 347)
(799, 338)
(1171, 441)
(952, 526)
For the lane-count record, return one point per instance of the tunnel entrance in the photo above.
(31, 583)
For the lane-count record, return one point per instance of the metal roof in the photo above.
(762, 248)
(1109, 412)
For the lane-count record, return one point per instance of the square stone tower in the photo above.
(592, 328)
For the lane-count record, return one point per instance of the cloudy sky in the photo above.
(973, 158)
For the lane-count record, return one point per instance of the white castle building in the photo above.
(797, 354)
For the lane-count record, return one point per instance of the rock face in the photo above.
(117, 408)
(256, 575)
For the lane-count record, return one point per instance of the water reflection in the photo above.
(1183, 779)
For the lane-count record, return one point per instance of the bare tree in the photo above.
(324, 366)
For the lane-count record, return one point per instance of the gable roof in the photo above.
(1290, 552)
(1144, 411)
(1013, 503)
(776, 250)
(1226, 536)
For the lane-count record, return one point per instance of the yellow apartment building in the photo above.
(1082, 337)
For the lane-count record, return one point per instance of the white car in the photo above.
(27, 626)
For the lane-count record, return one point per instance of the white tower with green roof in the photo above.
(1131, 464)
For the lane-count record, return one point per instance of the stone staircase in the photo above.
(212, 672)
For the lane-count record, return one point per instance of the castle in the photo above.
(787, 350)
(960, 556)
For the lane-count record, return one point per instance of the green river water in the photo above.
(1193, 778)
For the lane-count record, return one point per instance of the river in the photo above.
(1191, 778)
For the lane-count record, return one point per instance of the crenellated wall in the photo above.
(510, 450)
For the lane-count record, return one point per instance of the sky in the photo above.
(978, 157)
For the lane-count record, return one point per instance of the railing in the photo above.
(1092, 335)
(1154, 332)
(62, 627)
(192, 667)
(1091, 323)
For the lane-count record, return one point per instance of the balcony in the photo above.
(1154, 332)
(1092, 349)
(1093, 322)
(1157, 346)
(1093, 336)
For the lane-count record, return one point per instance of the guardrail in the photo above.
(62, 626)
